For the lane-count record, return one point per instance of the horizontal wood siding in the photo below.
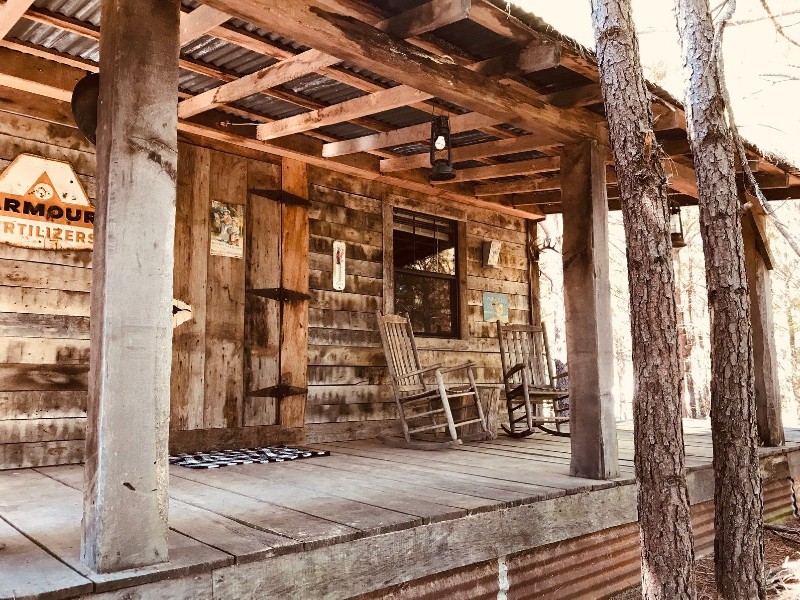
(349, 392)
(44, 320)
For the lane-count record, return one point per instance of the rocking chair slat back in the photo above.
(526, 345)
(401, 352)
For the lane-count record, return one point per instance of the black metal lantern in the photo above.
(676, 225)
(441, 150)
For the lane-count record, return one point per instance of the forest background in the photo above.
(762, 66)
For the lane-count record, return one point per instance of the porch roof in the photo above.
(516, 90)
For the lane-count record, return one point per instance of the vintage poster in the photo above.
(44, 205)
(495, 307)
(227, 229)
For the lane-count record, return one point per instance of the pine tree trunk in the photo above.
(738, 546)
(664, 521)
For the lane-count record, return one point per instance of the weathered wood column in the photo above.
(768, 393)
(125, 498)
(587, 295)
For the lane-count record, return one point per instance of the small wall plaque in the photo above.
(495, 307)
(339, 273)
(491, 252)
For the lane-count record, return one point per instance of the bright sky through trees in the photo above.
(762, 67)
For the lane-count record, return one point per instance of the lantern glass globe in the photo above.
(440, 143)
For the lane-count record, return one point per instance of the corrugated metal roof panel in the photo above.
(47, 36)
(345, 131)
(323, 89)
(273, 108)
(83, 10)
(226, 56)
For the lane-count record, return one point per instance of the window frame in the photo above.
(461, 319)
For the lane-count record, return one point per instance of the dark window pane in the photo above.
(424, 243)
(430, 302)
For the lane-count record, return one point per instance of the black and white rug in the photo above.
(245, 456)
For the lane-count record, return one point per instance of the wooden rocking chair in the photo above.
(425, 408)
(530, 382)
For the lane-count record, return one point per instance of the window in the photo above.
(426, 273)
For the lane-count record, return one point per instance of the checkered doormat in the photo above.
(245, 456)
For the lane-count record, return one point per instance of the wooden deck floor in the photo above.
(238, 515)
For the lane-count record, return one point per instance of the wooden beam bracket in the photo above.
(279, 391)
(281, 197)
(280, 293)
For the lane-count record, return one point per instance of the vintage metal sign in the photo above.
(339, 251)
(227, 229)
(44, 205)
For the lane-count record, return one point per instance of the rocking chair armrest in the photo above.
(561, 375)
(421, 371)
(513, 371)
(466, 365)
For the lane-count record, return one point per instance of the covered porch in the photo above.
(502, 514)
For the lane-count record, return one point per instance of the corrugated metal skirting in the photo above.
(594, 566)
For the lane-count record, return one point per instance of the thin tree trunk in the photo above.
(738, 545)
(664, 520)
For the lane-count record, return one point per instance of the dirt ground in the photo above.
(782, 558)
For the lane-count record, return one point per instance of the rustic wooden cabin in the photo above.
(285, 203)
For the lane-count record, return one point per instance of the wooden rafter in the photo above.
(10, 13)
(519, 186)
(405, 135)
(523, 167)
(199, 22)
(525, 143)
(272, 76)
(344, 111)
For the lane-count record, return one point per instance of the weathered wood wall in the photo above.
(349, 393)
(230, 346)
(44, 319)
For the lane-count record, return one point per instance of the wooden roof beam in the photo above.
(426, 17)
(525, 143)
(199, 22)
(268, 77)
(523, 167)
(344, 111)
(518, 186)
(10, 13)
(350, 40)
(36, 75)
(405, 135)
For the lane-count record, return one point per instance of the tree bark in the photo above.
(738, 544)
(664, 520)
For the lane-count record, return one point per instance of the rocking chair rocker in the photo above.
(427, 405)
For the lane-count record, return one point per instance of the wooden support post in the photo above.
(125, 498)
(587, 294)
(294, 276)
(768, 393)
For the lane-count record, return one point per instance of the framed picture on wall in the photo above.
(495, 307)
(227, 229)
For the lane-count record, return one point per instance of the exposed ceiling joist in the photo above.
(427, 17)
(525, 143)
(523, 167)
(268, 77)
(345, 111)
(405, 135)
(519, 186)
(10, 13)
(199, 22)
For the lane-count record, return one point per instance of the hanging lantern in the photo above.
(676, 225)
(441, 159)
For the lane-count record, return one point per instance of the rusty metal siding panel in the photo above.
(777, 500)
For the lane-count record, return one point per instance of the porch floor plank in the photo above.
(28, 571)
(249, 513)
